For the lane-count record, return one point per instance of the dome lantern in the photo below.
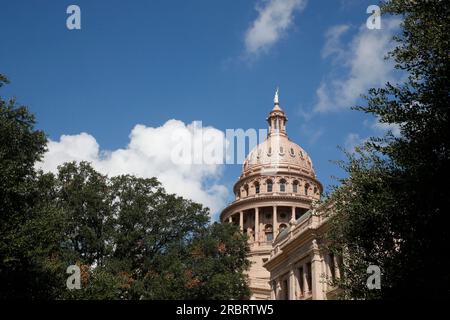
(277, 119)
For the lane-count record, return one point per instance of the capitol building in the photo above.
(274, 198)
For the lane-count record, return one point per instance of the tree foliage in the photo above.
(20, 147)
(391, 210)
(130, 238)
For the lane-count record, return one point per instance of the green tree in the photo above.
(130, 238)
(82, 194)
(218, 259)
(21, 145)
(158, 245)
(391, 210)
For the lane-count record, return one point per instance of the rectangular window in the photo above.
(257, 188)
(300, 281)
(269, 187)
(286, 289)
(309, 276)
(269, 236)
(294, 188)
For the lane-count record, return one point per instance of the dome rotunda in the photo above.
(276, 189)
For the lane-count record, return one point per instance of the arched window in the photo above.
(282, 185)
(268, 230)
(246, 190)
(256, 187)
(295, 186)
(306, 189)
(269, 185)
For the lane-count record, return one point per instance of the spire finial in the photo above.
(275, 99)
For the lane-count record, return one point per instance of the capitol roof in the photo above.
(278, 150)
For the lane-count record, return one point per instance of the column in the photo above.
(275, 222)
(316, 271)
(274, 293)
(306, 287)
(326, 267)
(292, 285)
(293, 214)
(257, 224)
(241, 220)
(278, 290)
(230, 219)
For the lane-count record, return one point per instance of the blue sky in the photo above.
(218, 61)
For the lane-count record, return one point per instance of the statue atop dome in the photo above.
(275, 99)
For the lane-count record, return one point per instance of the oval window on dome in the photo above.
(301, 154)
(269, 152)
(292, 152)
(281, 150)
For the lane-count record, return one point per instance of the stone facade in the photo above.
(300, 267)
(274, 192)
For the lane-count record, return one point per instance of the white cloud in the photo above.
(274, 18)
(353, 140)
(305, 114)
(311, 133)
(149, 154)
(333, 41)
(362, 64)
(382, 127)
